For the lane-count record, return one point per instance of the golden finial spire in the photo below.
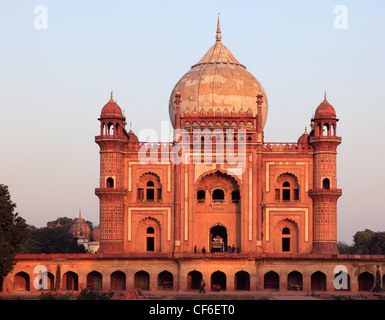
(325, 95)
(112, 96)
(218, 36)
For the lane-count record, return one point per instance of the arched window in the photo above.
(218, 195)
(326, 183)
(149, 188)
(235, 196)
(150, 230)
(286, 239)
(187, 126)
(150, 191)
(201, 196)
(150, 239)
(287, 188)
(286, 191)
(110, 183)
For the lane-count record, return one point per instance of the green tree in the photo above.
(362, 241)
(13, 231)
(51, 240)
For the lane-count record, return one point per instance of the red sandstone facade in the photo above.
(275, 203)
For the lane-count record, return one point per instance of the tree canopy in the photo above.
(13, 231)
(365, 242)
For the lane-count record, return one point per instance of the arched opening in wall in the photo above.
(142, 280)
(149, 188)
(110, 183)
(202, 125)
(226, 125)
(287, 188)
(70, 281)
(286, 191)
(218, 125)
(242, 280)
(365, 281)
(318, 281)
(286, 239)
(201, 196)
(94, 280)
(195, 125)
(117, 128)
(218, 239)
(218, 196)
(286, 236)
(22, 281)
(187, 126)
(319, 129)
(149, 235)
(165, 280)
(218, 278)
(194, 279)
(150, 192)
(235, 196)
(1, 283)
(325, 130)
(150, 239)
(118, 280)
(333, 131)
(271, 281)
(110, 129)
(294, 281)
(342, 281)
(326, 183)
(46, 281)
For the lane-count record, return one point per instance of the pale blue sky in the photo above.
(54, 83)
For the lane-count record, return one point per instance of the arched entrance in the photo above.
(118, 280)
(165, 280)
(365, 281)
(294, 281)
(271, 281)
(318, 281)
(194, 279)
(142, 280)
(218, 239)
(218, 278)
(22, 281)
(242, 281)
(94, 280)
(70, 281)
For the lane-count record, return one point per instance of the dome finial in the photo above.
(219, 35)
(325, 95)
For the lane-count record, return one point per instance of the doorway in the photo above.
(218, 239)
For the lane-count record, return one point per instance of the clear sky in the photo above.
(54, 82)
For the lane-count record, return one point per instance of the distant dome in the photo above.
(325, 110)
(218, 81)
(303, 138)
(132, 137)
(111, 110)
(96, 234)
(80, 229)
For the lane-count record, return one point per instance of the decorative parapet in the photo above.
(287, 147)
